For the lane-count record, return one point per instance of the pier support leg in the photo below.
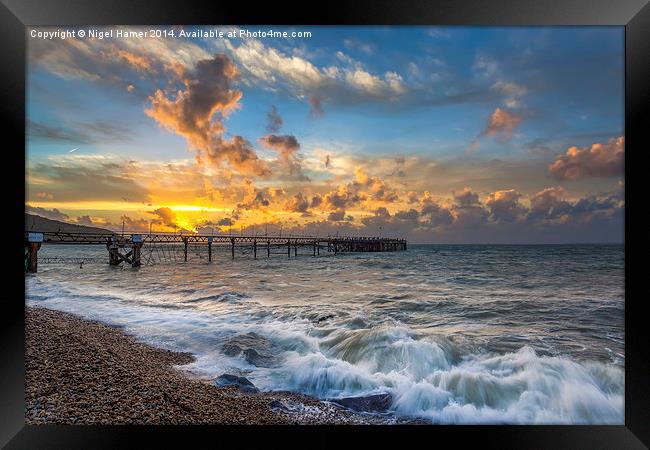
(289, 249)
(314, 249)
(32, 257)
(268, 249)
(113, 255)
(32, 245)
(232, 248)
(185, 249)
(295, 249)
(209, 251)
(136, 255)
(254, 249)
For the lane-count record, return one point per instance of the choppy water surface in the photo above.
(460, 334)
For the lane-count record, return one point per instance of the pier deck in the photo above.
(127, 247)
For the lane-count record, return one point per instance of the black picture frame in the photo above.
(16, 15)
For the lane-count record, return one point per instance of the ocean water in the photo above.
(455, 333)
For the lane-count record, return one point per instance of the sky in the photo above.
(434, 134)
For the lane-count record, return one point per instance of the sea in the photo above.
(461, 334)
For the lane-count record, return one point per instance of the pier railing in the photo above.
(127, 247)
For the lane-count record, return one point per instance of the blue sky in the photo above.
(425, 113)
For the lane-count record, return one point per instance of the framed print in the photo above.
(397, 218)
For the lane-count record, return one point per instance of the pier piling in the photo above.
(33, 244)
(136, 239)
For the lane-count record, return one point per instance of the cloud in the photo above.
(339, 216)
(466, 198)
(550, 204)
(504, 206)
(272, 68)
(502, 123)
(130, 224)
(196, 113)
(400, 161)
(344, 196)
(468, 212)
(165, 216)
(376, 188)
(373, 85)
(273, 120)
(86, 177)
(207, 92)
(511, 91)
(53, 213)
(79, 132)
(225, 222)
(298, 203)
(363, 188)
(255, 198)
(141, 63)
(382, 212)
(316, 200)
(315, 107)
(112, 61)
(599, 160)
(355, 44)
(486, 66)
(432, 212)
(411, 215)
(287, 147)
(85, 220)
(412, 197)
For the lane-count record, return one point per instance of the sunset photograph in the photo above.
(361, 225)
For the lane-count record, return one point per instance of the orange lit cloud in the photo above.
(138, 62)
(298, 203)
(599, 160)
(165, 215)
(196, 113)
(502, 123)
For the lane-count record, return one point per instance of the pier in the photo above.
(128, 248)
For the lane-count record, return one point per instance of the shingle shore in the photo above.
(84, 372)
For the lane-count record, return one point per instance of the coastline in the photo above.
(84, 372)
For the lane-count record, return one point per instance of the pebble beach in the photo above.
(84, 372)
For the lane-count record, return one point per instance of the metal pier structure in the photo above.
(127, 248)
